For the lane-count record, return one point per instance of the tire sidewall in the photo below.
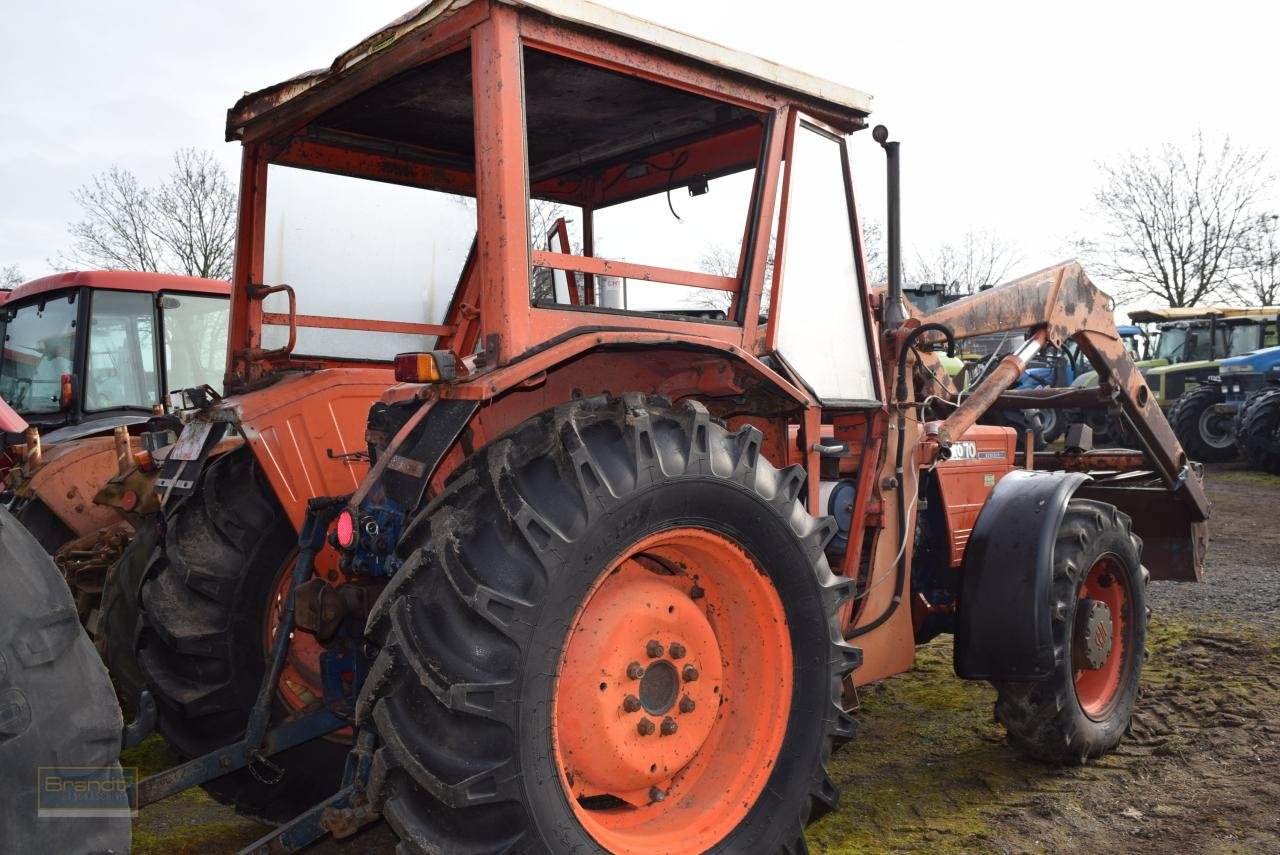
(761, 530)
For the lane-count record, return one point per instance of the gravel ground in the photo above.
(1242, 572)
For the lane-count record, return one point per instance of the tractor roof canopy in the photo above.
(118, 280)
(543, 120)
(386, 52)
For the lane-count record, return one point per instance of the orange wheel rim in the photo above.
(1097, 688)
(300, 684)
(672, 695)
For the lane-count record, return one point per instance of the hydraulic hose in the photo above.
(901, 395)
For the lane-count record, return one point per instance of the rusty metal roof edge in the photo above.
(581, 12)
(598, 17)
(253, 104)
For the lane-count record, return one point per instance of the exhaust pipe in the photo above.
(895, 313)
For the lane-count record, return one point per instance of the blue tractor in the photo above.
(1251, 394)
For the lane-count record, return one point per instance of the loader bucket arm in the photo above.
(1061, 303)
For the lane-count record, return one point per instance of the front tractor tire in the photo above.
(615, 629)
(1258, 431)
(1207, 435)
(206, 599)
(1099, 624)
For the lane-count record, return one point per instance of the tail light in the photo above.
(145, 461)
(434, 367)
(67, 393)
(345, 529)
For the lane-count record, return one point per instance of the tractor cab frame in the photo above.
(550, 110)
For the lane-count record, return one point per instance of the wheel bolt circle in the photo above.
(631, 703)
(676, 650)
(653, 649)
(644, 727)
(668, 726)
(687, 704)
(690, 673)
(635, 670)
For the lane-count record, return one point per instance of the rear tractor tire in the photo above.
(1258, 431)
(1207, 435)
(1099, 624)
(207, 599)
(57, 707)
(615, 629)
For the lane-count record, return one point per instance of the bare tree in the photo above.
(1259, 281)
(10, 277)
(194, 220)
(543, 215)
(1176, 221)
(873, 251)
(116, 230)
(977, 260)
(186, 225)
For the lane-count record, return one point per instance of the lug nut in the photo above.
(635, 670)
(631, 703)
(644, 727)
(653, 649)
(668, 726)
(690, 673)
(687, 704)
(676, 650)
(656, 795)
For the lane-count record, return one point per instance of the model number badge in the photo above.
(966, 450)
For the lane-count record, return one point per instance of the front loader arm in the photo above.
(1061, 303)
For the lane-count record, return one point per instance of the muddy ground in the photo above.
(929, 770)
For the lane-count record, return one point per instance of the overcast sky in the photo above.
(1002, 108)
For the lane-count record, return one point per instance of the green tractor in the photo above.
(1190, 342)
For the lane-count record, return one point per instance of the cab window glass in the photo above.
(121, 369)
(39, 347)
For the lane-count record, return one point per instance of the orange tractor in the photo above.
(620, 562)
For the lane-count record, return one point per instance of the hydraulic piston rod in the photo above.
(991, 387)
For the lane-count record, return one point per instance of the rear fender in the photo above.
(1003, 627)
(308, 431)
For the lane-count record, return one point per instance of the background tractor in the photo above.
(618, 566)
(89, 359)
(1249, 384)
(1206, 429)
(1188, 344)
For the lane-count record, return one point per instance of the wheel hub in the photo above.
(658, 687)
(642, 678)
(1215, 429)
(1093, 635)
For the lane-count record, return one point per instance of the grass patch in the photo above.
(151, 755)
(1245, 476)
(928, 768)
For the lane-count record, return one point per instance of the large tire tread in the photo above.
(1043, 719)
(200, 645)
(453, 624)
(59, 708)
(1256, 427)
